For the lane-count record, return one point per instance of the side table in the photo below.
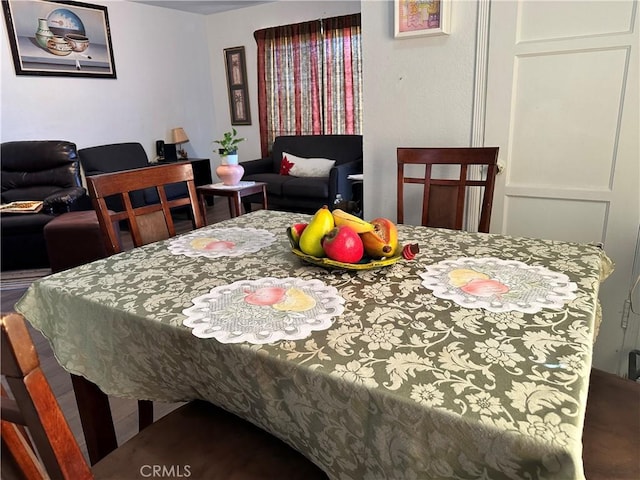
(233, 193)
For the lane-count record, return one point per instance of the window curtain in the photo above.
(309, 78)
(342, 81)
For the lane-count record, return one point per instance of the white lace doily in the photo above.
(264, 311)
(498, 285)
(221, 242)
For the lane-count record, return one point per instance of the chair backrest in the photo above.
(444, 199)
(147, 223)
(35, 407)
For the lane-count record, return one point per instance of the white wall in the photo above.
(162, 67)
(418, 92)
(234, 29)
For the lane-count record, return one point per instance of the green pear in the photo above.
(321, 224)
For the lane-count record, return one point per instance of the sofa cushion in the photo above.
(32, 163)
(305, 167)
(274, 181)
(308, 187)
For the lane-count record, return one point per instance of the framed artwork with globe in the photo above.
(70, 39)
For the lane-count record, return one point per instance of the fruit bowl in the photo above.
(365, 264)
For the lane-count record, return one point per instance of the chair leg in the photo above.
(634, 367)
(145, 414)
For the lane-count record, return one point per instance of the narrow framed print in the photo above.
(414, 18)
(69, 39)
(237, 84)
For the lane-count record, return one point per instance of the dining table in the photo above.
(470, 360)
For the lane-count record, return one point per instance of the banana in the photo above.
(356, 224)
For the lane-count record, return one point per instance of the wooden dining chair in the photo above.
(148, 222)
(197, 440)
(444, 199)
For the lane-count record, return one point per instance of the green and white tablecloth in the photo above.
(402, 385)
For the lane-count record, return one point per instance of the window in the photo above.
(310, 79)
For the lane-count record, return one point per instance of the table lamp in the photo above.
(179, 136)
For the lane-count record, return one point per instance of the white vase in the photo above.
(231, 159)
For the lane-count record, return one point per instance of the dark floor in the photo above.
(124, 411)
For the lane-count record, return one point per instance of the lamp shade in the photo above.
(179, 135)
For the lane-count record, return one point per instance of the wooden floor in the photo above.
(125, 412)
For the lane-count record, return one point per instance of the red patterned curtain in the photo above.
(342, 85)
(309, 78)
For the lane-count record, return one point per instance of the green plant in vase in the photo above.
(229, 144)
(229, 171)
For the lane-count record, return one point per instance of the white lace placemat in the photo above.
(242, 184)
(221, 242)
(264, 311)
(498, 285)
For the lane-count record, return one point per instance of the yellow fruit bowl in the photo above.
(365, 264)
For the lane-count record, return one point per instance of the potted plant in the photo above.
(229, 171)
(229, 151)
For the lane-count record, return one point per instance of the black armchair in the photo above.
(44, 170)
(307, 194)
(116, 157)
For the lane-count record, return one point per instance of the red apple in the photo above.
(343, 244)
(294, 232)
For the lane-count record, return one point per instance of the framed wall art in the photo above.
(70, 39)
(413, 18)
(237, 84)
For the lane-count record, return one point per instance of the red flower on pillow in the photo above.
(285, 166)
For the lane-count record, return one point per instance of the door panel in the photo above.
(587, 218)
(557, 99)
(562, 104)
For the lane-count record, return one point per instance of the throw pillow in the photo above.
(285, 165)
(305, 167)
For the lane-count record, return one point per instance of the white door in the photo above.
(562, 104)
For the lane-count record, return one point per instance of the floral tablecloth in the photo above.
(402, 385)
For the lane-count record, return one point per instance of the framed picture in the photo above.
(237, 84)
(70, 39)
(413, 18)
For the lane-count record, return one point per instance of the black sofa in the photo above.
(306, 194)
(45, 170)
